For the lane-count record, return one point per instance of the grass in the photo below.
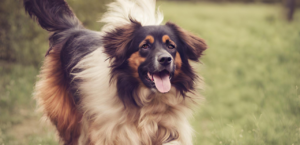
(19, 123)
(251, 70)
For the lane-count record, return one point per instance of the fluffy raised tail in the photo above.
(52, 15)
(53, 90)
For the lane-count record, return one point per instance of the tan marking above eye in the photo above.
(148, 38)
(167, 39)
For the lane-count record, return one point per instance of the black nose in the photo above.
(164, 60)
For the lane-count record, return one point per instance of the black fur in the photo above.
(68, 36)
(52, 15)
(129, 37)
(75, 42)
(193, 46)
(117, 46)
(79, 44)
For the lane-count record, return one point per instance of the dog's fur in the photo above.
(101, 88)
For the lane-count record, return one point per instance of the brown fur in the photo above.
(167, 39)
(153, 124)
(148, 38)
(119, 111)
(55, 99)
(116, 41)
(178, 63)
(157, 119)
(195, 45)
(134, 62)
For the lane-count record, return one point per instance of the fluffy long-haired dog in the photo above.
(129, 84)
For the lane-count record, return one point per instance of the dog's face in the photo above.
(154, 60)
(154, 56)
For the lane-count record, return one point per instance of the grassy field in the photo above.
(251, 70)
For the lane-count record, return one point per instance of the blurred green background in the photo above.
(251, 70)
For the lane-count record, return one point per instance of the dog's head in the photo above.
(154, 56)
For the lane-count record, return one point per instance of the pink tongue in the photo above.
(162, 82)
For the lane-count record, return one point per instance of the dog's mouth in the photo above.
(161, 80)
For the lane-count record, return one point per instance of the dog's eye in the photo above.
(145, 46)
(170, 46)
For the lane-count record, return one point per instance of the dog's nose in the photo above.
(164, 59)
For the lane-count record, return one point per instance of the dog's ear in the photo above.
(116, 41)
(193, 45)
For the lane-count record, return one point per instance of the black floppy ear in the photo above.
(116, 41)
(193, 45)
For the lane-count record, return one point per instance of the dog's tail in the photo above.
(52, 91)
(52, 15)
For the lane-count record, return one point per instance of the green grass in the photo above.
(251, 70)
(19, 123)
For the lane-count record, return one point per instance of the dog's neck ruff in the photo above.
(122, 12)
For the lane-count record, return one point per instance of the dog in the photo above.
(129, 84)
